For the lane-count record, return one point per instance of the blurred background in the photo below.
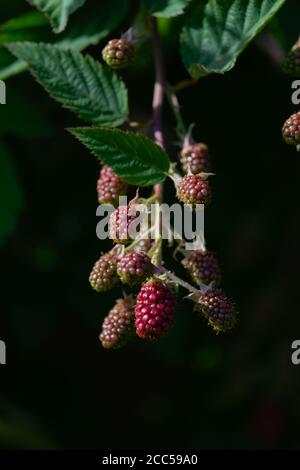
(191, 389)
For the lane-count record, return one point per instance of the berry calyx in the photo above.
(202, 267)
(134, 268)
(194, 158)
(154, 310)
(119, 223)
(118, 53)
(291, 129)
(194, 189)
(217, 309)
(104, 273)
(118, 325)
(291, 63)
(110, 187)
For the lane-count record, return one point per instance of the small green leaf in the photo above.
(57, 11)
(133, 157)
(166, 8)
(216, 32)
(10, 195)
(80, 83)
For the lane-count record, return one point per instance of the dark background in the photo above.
(191, 389)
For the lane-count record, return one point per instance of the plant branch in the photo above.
(174, 103)
(159, 86)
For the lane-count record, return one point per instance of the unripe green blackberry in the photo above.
(194, 158)
(110, 187)
(104, 273)
(194, 189)
(291, 129)
(154, 310)
(134, 268)
(118, 325)
(203, 267)
(119, 223)
(118, 53)
(217, 309)
(291, 63)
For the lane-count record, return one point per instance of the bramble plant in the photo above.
(214, 33)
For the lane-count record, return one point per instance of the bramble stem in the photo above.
(177, 280)
(159, 86)
(174, 103)
(157, 103)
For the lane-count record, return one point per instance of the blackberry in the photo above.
(218, 309)
(118, 53)
(118, 325)
(202, 267)
(154, 310)
(291, 129)
(110, 187)
(104, 273)
(194, 189)
(134, 268)
(194, 158)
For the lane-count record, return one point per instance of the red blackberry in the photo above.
(110, 186)
(154, 310)
(291, 129)
(134, 268)
(118, 325)
(104, 273)
(203, 267)
(194, 158)
(118, 53)
(218, 309)
(119, 223)
(194, 189)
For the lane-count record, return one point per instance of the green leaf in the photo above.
(133, 157)
(91, 23)
(217, 32)
(58, 11)
(166, 8)
(80, 83)
(10, 195)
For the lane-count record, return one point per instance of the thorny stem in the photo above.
(173, 100)
(177, 280)
(157, 103)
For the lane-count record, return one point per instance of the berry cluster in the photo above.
(149, 311)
